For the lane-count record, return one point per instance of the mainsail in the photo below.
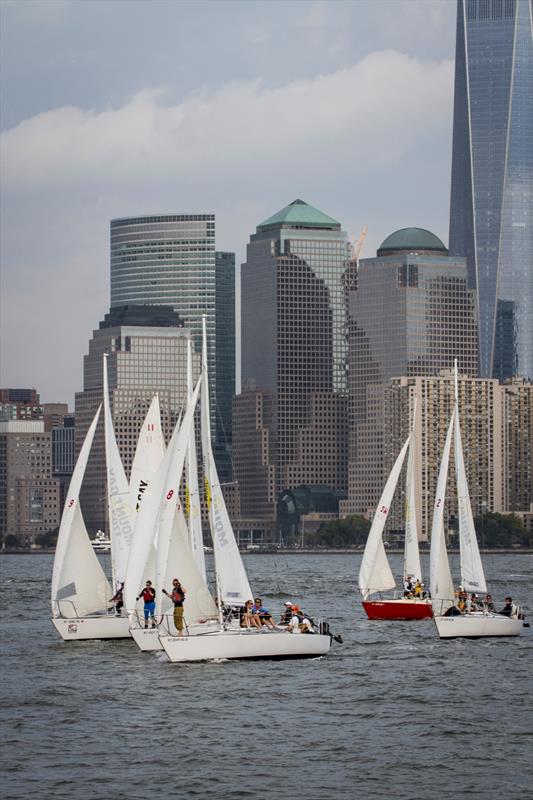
(118, 495)
(375, 573)
(232, 581)
(442, 592)
(79, 584)
(472, 575)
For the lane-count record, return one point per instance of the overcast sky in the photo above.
(112, 109)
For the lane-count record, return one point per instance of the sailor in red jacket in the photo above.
(148, 595)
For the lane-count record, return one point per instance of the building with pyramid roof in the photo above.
(289, 421)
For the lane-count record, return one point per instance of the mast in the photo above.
(193, 510)
(411, 563)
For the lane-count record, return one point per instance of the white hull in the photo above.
(474, 626)
(102, 627)
(148, 639)
(244, 644)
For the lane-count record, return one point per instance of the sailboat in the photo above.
(80, 591)
(472, 624)
(375, 574)
(227, 640)
(161, 529)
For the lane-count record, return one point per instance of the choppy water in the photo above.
(393, 713)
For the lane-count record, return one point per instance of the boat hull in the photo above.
(246, 644)
(476, 626)
(401, 609)
(101, 627)
(148, 639)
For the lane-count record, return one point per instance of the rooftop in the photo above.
(412, 240)
(299, 214)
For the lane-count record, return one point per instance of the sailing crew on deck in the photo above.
(148, 595)
(249, 619)
(488, 605)
(508, 610)
(118, 600)
(265, 617)
(408, 586)
(418, 590)
(286, 614)
(177, 595)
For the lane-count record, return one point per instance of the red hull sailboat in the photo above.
(401, 609)
(375, 574)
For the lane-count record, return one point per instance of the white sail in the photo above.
(141, 562)
(169, 497)
(148, 454)
(181, 564)
(79, 585)
(193, 506)
(472, 575)
(232, 581)
(442, 591)
(411, 561)
(375, 573)
(118, 496)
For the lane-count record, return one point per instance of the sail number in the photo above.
(71, 503)
(383, 510)
(170, 494)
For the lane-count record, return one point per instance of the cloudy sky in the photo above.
(235, 107)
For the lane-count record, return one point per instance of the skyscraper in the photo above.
(169, 260)
(294, 346)
(225, 360)
(411, 314)
(491, 215)
(147, 349)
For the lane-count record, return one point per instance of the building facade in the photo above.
(147, 349)
(294, 343)
(412, 313)
(497, 434)
(170, 260)
(29, 495)
(491, 214)
(225, 360)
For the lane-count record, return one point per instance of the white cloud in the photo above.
(382, 105)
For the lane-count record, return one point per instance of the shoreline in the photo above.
(285, 551)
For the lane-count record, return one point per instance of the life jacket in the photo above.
(148, 595)
(178, 595)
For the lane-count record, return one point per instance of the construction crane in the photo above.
(357, 246)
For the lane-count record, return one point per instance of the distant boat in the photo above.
(375, 574)
(473, 624)
(101, 543)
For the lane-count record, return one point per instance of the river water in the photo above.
(393, 713)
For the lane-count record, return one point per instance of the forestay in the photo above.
(79, 585)
(442, 591)
(118, 495)
(375, 573)
(232, 581)
(472, 575)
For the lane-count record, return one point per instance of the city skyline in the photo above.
(93, 143)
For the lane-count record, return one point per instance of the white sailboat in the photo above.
(162, 516)
(80, 591)
(233, 589)
(472, 624)
(375, 575)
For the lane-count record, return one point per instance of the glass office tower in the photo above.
(294, 345)
(491, 215)
(168, 260)
(225, 369)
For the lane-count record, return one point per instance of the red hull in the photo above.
(397, 609)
